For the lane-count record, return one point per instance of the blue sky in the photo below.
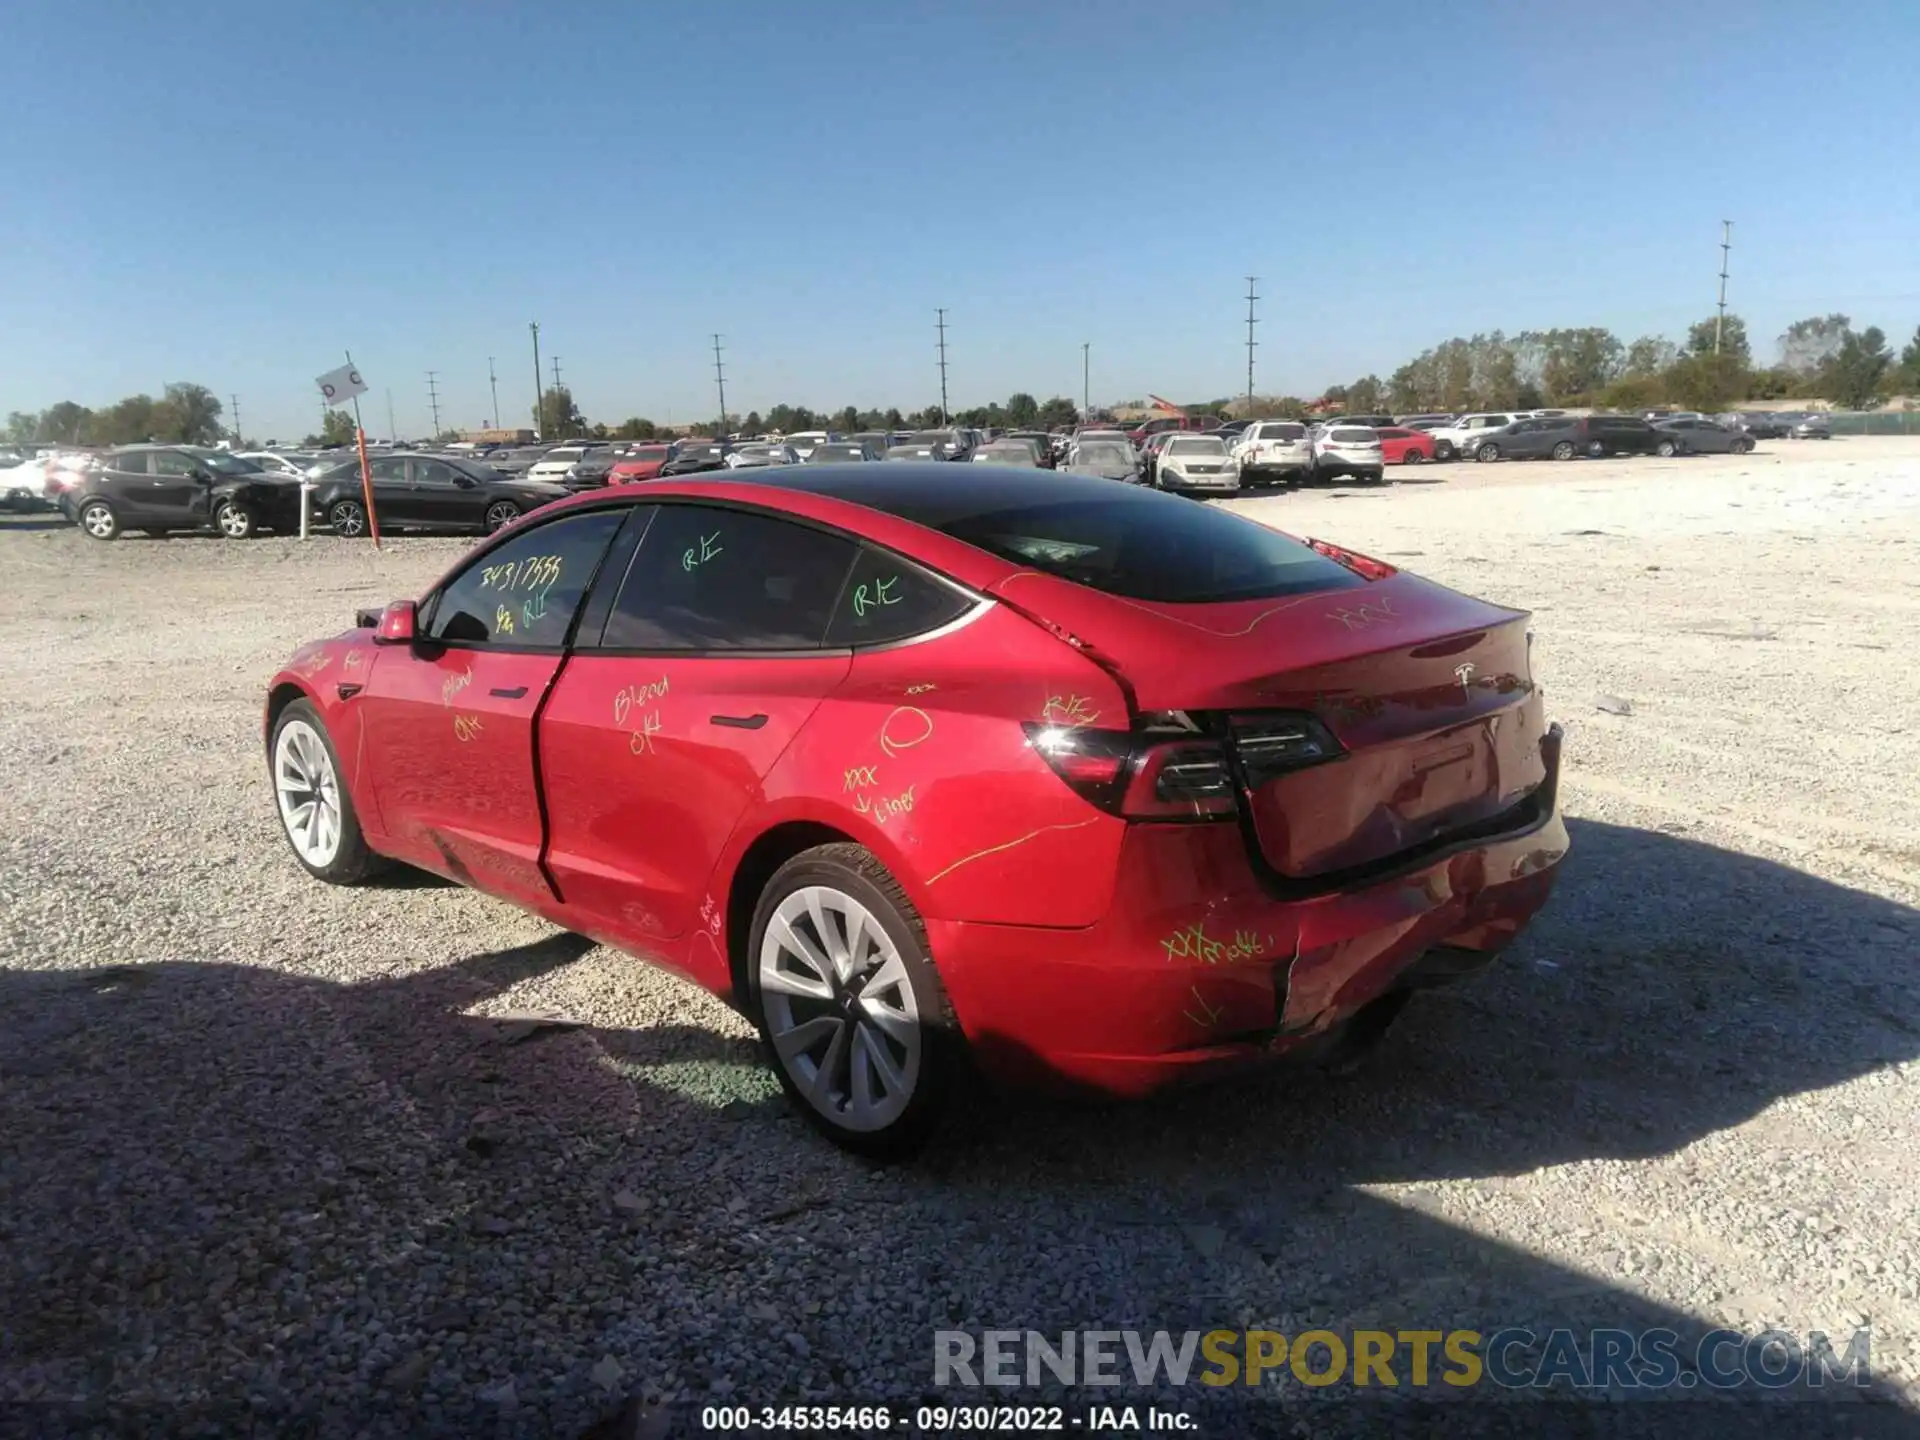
(239, 196)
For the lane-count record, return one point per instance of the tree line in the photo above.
(560, 417)
(1822, 357)
(185, 414)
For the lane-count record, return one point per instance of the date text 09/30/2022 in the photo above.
(943, 1419)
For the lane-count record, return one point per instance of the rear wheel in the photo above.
(99, 521)
(235, 521)
(1595, 450)
(1487, 453)
(1443, 450)
(850, 1008)
(1742, 447)
(1410, 456)
(1563, 451)
(1666, 449)
(348, 518)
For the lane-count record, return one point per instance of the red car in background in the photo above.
(641, 462)
(922, 765)
(1401, 446)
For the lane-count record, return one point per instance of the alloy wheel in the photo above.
(501, 513)
(308, 791)
(1563, 451)
(840, 1009)
(348, 519)
(234, 522)
(98, 521)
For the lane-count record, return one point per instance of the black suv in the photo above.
(159, 488)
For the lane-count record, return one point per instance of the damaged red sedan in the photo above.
(925, 766)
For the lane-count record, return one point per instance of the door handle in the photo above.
(508, 694)
(739, 722)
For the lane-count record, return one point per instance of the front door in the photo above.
(439, 498)
(662, 729)
(449, 723)
(180, 488)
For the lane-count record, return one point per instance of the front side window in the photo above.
(433, 474)
(524, 592)
(388, 470)
(707, 578)
(173, 462)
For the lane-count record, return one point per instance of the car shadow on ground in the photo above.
(220, 1181)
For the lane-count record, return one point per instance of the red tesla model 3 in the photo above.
(931, 766)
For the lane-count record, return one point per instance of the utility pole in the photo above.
(1252, 296)
(563, 422)
(237, 441)
(1720, 320)
(1086, 380)
(493, 384)
(720, 379)
(940, 321)
(534, 326)
(433, 402)
(393, 430)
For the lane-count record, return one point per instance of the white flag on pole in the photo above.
(337, 387)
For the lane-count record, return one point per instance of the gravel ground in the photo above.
(267, 1150)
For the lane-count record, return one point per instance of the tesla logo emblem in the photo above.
(1464, 674)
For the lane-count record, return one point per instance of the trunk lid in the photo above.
(1428, 692)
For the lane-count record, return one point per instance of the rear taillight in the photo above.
(1172, 769)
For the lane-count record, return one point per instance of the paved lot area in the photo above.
(261, 1144)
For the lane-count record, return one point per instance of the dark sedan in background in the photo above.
(425, 492)
(696, 457)
(1700, 437)
(162, 488)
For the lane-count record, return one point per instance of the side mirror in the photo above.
(464, 482)
(396, 624)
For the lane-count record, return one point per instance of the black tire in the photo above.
(1486, 453)
(1413, 457)
(1564, 450)
(1743, 447)
(1596, 451)
(350, 861)
(1666, 449)
(97, 519)
(348, 518)
(500, 514)
(1443, 450)
(853, 871)
(236, 521)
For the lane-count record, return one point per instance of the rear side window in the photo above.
(524, 592)
(135, 463)
(887, 599)
(707, 578)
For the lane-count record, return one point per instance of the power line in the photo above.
(393, 430)
(563, 420)
(1252, 296)
(433, 402)
(534, 326)
(720, 379)
(1086, 380)
(236, 420)
(1726, 247)
(940, 321)
(493, 384)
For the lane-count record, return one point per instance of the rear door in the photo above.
(712, 656)
(393, 496)
(438, 497)
(448, 722)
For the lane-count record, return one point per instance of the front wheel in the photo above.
(316, 812)
(1443, 450)
(1413, 457)
(1563, 451)
(99, 521)
(1487, 453)
(1743, 447)
(1666, 449)
(501, 514)
(235, 521)
(850, 1008)
(348, 518)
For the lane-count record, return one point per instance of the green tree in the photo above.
(1908, 374)
(1853, 375)
(1651, 355)
(336, 428)
(1706, 382)
(848, 420)
(1633, 392)
(559, 416)
(753, 424)
(1733, 338)
(1366, 395)
(894, 420)
(21, 425)
(634, 428)
(1807, 345)
(187, 414)
(65, 421)
(1023, 411)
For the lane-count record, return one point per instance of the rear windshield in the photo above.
(1347, 435)
(1283, 432)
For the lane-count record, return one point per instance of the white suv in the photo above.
(1462, 435)
(1271, 449)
